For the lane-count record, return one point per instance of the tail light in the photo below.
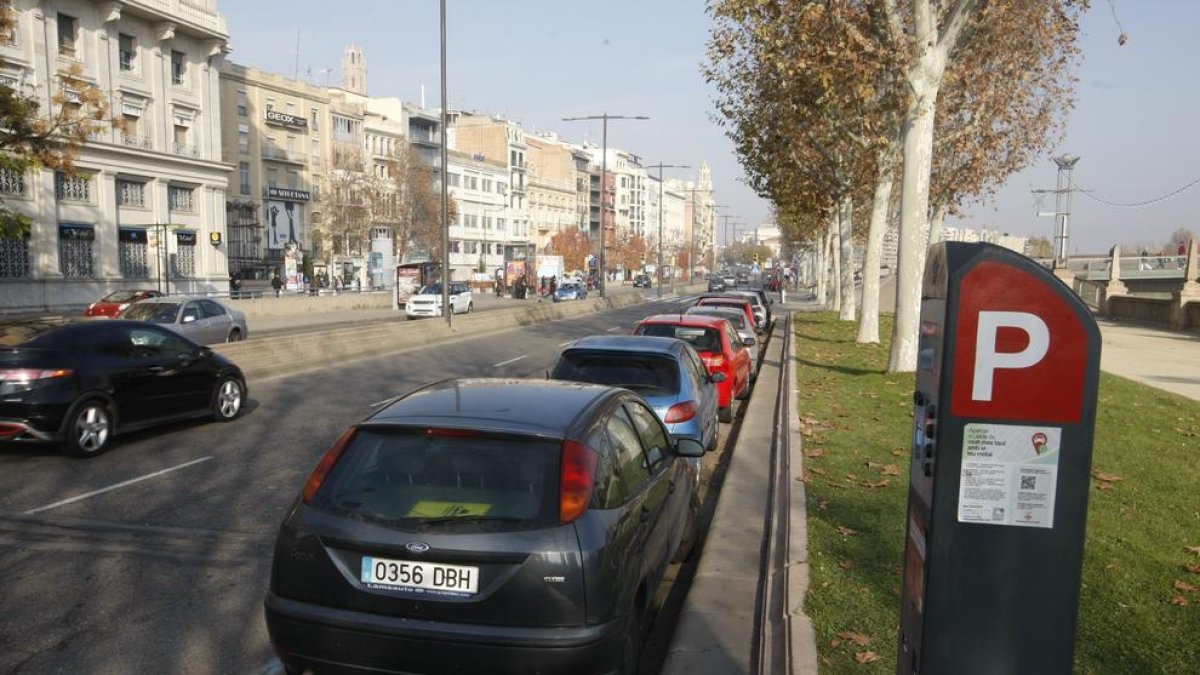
(576, 478)
(331, 457)
(713, 360)
(680, 412)
(19, 380)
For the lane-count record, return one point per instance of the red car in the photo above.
(731, 301)
(114, 303)
(718, 345)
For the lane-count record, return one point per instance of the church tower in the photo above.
(354, 70)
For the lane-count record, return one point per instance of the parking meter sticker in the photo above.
(1009, 475)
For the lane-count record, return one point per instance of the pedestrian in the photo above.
(553, 285)
(277, 284)
(357, 285)
(235, 285)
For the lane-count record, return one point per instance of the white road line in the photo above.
(122, 484)
(505, 363)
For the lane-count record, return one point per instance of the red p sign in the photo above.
(1022, 353)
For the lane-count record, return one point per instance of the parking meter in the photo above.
(1005, 408)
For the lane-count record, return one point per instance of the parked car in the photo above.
(202, 320)
(737, 318)
(762, 309)
(666, 372)
(484, 526)
(641, 281)
(716, 284)
(79, 384)
(427, 301)
(725, 300)
(717, 344)
(114, 303)
(570, 292)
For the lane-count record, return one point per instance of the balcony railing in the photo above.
(141, 142)
(185, 150)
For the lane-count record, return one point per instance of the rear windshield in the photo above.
(158, 312)
(415, 481)
(27, 333)
(737, 318)
(701, 339)
(644, 374)
(120, 296)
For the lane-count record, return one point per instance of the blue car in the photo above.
(667, 373)
(570, 292)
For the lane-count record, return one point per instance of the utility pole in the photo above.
(603, 179)
(1062, 208)
(446, 308)
(660, 166)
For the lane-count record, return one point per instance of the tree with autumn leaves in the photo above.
(829, 103)
(574, 247)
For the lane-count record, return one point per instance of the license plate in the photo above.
(424, 576)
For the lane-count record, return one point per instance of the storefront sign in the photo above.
(276, 117)
(289, 193)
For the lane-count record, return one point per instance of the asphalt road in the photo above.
(154, 557)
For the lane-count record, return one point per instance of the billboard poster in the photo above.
(284, 222)
(292, 269)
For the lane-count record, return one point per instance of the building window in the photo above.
(313, 116)
(182, 147)
(270, 104)
(244, 177)
(126, 52)
(185, 254)
(178, 67)
(12, 182)
(244, 139)
(293, 180)
(180, 199)
(131, 193)
(77, 188)
(14, 257)
(243, 107)
(316, 150)
(272, 177)
(67, 27)
(455, 180)
(132, 250)
(75, 251)
(471, 182)
(487, 184)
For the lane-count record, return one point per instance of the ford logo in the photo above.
(417, 546)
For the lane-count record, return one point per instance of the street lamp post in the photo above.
(446, 309)
(660, 166)
(603, 175)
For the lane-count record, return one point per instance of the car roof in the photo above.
(690, 320)
(628, 343)
(727, 298)
(542, 407)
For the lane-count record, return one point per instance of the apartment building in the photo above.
(495, 139)
(275, 134)
(699, 217)
(481, 230)
(553, 188)
(146, 204)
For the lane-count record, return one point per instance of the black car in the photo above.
(80, 384)
(484, 526)
(641, 281)
(716, 284)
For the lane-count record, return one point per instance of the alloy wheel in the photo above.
(92, 428)
(229, 399)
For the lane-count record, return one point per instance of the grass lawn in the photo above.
(1140, 604)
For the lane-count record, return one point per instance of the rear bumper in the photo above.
(343, 641)
(34, 423)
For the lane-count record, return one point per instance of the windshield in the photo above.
(120, 296)
(701, 339)
(412, 480)
(631, 371)
(430, 289)
(158, 312)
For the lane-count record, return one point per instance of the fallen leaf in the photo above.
(1179, 600)
(899, 453)
(847, 532)
(851, 476)
(1193, 549)
(1185, 587)
(817, 470)
(835, 485)
(891, 470)
(1194, 569)
(823, 504)
(1106, 477)
(1104, 486)
(874, 484)
(834, 643)
(846, 565)
(866, 657)
(857, 638)
(873, 465)
(814, 453)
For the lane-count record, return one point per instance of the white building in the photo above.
(674, 229)
(768, 235)
(490, 140)
(991, 236)
(481, 229)
(699, 217)
(146, 207)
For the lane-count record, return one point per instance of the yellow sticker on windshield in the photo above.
(431, 509)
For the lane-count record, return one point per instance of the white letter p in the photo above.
(988, 360)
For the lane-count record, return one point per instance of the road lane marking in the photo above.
(131, 481)
(505, 363)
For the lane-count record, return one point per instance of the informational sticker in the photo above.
(1009, 475)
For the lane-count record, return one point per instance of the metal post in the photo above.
(603, 190)
(446, 309)
(660, 166)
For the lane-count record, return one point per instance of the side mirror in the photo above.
(204, 352)
(688, 447)
(716, 378)
(188, 318)
(749, 341)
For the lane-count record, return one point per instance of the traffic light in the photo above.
(756, 259)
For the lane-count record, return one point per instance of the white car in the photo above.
(428, 301)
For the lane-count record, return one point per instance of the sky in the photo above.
(536, 61)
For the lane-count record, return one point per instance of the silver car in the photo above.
(202, 320)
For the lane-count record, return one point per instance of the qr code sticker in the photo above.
(1028, 482)
(997, 514)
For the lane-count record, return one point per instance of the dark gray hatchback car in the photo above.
(484, 526)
